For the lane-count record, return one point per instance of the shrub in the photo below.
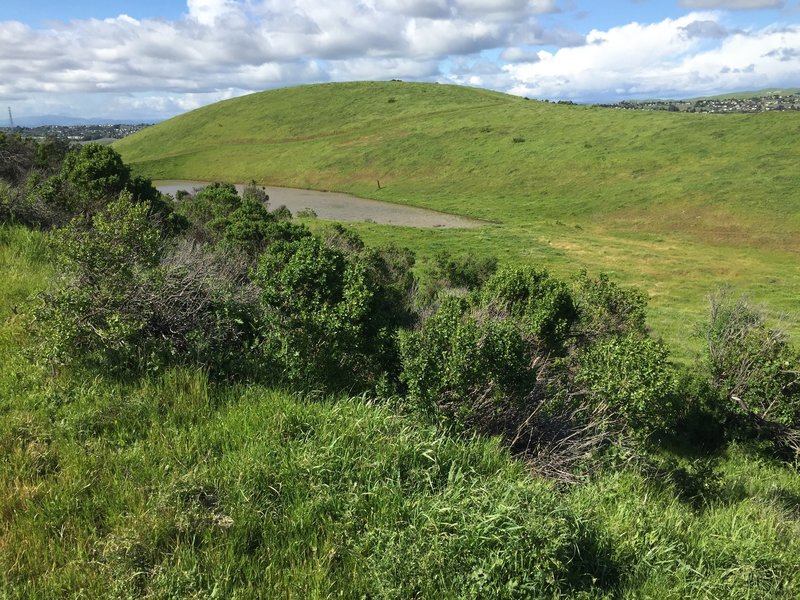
(543, 306)
(125, 302)
(103, 259)
(331, 309)
(606, 309)
(455, 359)
(307, 213)
(633, 376)
(491, 348)
(753, 371)
(88, 178)
(469, 271)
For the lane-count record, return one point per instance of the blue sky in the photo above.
(151, 60)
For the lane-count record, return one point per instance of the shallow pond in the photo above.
(341, 207)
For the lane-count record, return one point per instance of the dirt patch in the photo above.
(343, 207)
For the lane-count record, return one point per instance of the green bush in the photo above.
(482, 361)
(456, 359)
(543, 306)
(468, 271)
(753, 372)
(607, 309)
(331, 309)
(125, 301)
(632, 375)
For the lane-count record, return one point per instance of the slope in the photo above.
(675, 203)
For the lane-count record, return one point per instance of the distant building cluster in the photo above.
(755, 104)
(78, 133)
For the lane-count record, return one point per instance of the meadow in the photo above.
(207, 398)
(675, 204)
(174, 486)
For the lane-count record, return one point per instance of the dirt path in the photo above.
(341, 207)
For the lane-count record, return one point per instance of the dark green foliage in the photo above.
(89, 316)
(282, 213)
(50, 155)
(209, 205)
(248, 227)
(456, 274)
(17, 157)
(62, 184)
(468, 271)
(511, 359)
(218, 214)
(632, 375)
(94, 174)
(457, 358)
(542, 305)
(331, 309)
(607, 309)
(24, 165)
(483, 361)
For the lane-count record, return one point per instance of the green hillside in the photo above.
(175, 486)
(673, 203)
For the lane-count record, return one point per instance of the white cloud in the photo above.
(254, 44)
(662, 59)
(519, 55)
(221, 47)
(207, 12)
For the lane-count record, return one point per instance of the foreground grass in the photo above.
(676, 204)
(172, 487)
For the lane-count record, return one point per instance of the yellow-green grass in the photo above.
(674, 203)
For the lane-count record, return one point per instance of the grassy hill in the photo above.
(676, 204)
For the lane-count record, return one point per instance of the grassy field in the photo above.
(174, 487)
(676, 204)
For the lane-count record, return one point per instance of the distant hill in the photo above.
(675, 203)
(752, 94)
(479, 153)
(43, 120)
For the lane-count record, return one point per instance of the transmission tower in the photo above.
(10, 118)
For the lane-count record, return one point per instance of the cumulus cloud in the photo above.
(519, 55)
(256, 44)
(662, 59)
(223, 48)
(706, 29)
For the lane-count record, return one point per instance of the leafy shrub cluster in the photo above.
(45, 184)
(753, 373)
(217, 279)
(127, 301)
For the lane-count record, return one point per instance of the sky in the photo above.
(151, 60)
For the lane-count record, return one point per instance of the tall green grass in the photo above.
(175, 487)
